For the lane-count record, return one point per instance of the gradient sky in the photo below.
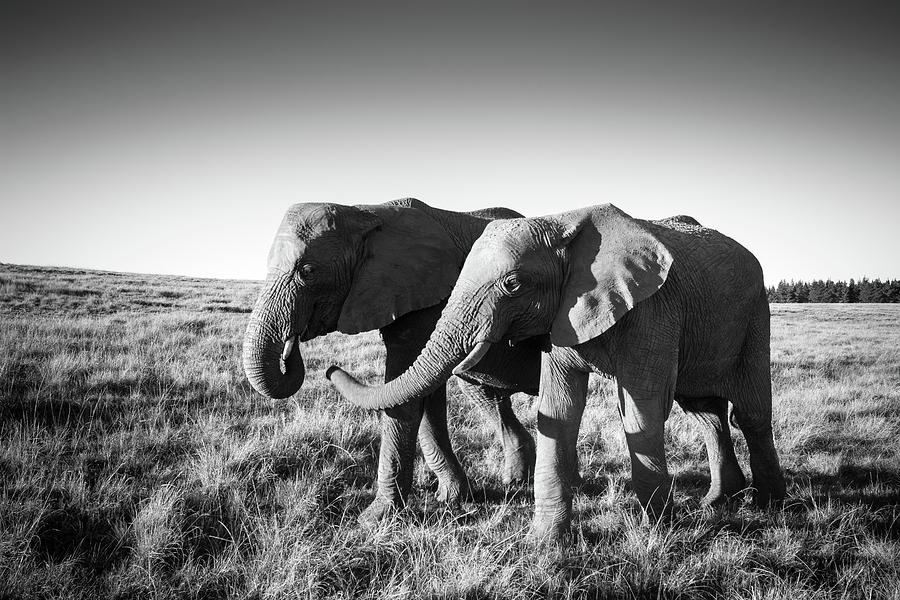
(161, 138)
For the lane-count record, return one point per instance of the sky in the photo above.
(171, 137)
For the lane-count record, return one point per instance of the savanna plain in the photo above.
(137, 462)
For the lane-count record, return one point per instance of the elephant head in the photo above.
(342, 268)
(572, 275)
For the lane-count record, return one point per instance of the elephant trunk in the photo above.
(272, 361)
(434, 365)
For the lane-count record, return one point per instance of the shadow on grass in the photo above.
(229, 309)
(873, 488)
(213, 522)
(52, 413)
(107, 402)
(88, 534)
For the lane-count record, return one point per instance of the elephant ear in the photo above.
(410, 263)
(614, 262)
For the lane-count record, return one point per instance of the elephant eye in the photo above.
(511, 284)
(306, 270)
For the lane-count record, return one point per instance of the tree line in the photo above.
(835, 291)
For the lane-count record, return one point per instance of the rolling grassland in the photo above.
(136, 462)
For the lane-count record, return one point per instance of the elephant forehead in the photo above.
(505, 227)
(309, 220)
(511, 238)
(491, 253)
(488, 262)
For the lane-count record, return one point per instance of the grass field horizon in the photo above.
(137, 462)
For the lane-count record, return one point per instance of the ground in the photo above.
(137, 462)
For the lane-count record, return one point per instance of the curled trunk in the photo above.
(272, 362)
(270, 372)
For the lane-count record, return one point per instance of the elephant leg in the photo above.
(643, 415)
(726, 478)
(768, 480)
(563, 394)
(518, 445)
(753, 413)
(434, 438)
(752, 401)
(395, 460)
(396, 457)
(403, 341)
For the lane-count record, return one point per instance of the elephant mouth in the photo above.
(317, 324)
(477, 353)
(541, 342)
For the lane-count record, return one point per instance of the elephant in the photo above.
(389, 267)
(672, 310)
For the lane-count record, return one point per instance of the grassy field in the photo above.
(136, 462)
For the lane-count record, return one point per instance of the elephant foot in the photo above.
(516, 474)
(518, 458)
(769, 494)
(451, 489)
(379, 509)
(545, 532)
(722, 493)
(657, 502)
(552, 520)
(715, 499)
(518, 467)
(577, 480)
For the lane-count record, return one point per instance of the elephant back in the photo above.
(712, 273)
(496, 212)
(678, 221)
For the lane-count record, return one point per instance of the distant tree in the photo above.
(783, 291)
(817, 291)
(835, 291)
(877, 290)
(791, 291)
(883, 288)
(851, 292)
(840, 290)
(893, 290)
(866, 292)
(828, 293)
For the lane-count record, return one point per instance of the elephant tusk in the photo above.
(288, 347)
(472, 359)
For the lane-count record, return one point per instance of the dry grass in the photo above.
(136, 462)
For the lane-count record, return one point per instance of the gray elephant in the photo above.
(389, 267)
(673, 310)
